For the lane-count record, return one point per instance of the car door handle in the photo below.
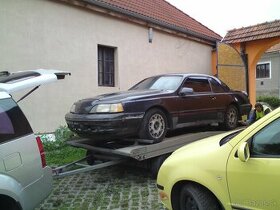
(213, 97)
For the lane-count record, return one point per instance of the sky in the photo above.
(222, 15)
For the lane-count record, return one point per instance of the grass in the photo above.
(57, 151)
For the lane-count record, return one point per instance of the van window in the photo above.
(13, 123)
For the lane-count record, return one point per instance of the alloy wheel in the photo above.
(156, 126)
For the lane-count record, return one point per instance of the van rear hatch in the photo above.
(12, 82)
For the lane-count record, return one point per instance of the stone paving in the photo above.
(113, 188)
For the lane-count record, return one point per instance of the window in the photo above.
(267, 141)
(216, 87)
(263, 70)
(159, 83)
(13, 123)
(198, 84)
(106, 66)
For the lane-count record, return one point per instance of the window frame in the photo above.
(252, 155)
(103, 75)
(270, 68)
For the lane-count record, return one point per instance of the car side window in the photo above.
(216, 87)
(198, 85)
(266, 143)
(13, 123)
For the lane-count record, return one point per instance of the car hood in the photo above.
(202, 147)
(85, 105)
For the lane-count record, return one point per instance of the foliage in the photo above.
(274, 102)
(58, 152)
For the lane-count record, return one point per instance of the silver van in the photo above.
(25, 179)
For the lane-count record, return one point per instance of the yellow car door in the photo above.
(254, 182)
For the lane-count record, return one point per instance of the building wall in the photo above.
(270, 86)
(47, 34)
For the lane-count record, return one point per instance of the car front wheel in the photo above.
(195, 197)
(154, 126)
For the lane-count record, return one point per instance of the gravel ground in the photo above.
(117, 187)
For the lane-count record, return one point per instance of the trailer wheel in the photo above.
(154, 126)
(156, 163)
(90, 158)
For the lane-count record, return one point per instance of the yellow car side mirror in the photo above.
(244, 152)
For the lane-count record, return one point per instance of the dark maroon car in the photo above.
(158, 104)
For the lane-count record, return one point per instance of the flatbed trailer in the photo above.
(116, 152)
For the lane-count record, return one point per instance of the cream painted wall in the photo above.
(46, 34)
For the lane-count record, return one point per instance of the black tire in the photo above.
(195, 197)
(156, 163)
(154, 126)
(8, 203)
(90, 158)
(230, 118)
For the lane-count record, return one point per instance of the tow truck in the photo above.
(100, 155)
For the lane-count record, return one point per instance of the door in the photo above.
(255, 184)
(197, 107)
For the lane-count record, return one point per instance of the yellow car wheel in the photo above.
(196, 197)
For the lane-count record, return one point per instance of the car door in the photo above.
(255, 184)
(196, 107)
(220, 99)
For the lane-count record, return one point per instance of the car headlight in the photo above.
(107, 108)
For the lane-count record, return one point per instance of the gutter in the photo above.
(151, 20)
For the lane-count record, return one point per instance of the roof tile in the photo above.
(250, 33)
(164, 12)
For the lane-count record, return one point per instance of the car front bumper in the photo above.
(105, 125)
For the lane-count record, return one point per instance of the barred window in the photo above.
(106, 66)
(263, 70)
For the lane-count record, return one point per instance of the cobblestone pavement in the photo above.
(113, 188)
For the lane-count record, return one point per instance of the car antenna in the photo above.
(27, 94)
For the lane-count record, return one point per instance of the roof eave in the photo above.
(153, 21)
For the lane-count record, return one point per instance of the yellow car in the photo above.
(234, 170)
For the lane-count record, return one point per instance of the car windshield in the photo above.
(159, 83)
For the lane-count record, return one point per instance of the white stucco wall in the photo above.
(46, 34)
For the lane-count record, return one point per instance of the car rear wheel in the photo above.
(231, 118)
(154, 126)
(195, 197)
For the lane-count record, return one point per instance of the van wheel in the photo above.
(230, 118)
(154, 126)
(196, 197)
(8, 203)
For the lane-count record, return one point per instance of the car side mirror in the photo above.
(186, 91)
(244, 152)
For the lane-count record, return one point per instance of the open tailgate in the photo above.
(12, 82)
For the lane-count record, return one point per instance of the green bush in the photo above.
(274, 102)
(58, 152)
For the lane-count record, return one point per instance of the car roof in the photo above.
(186, 75)
(12, 82)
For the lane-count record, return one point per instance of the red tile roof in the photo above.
(162, 13)
(260, 31)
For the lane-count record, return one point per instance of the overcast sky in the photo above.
(222, 15)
